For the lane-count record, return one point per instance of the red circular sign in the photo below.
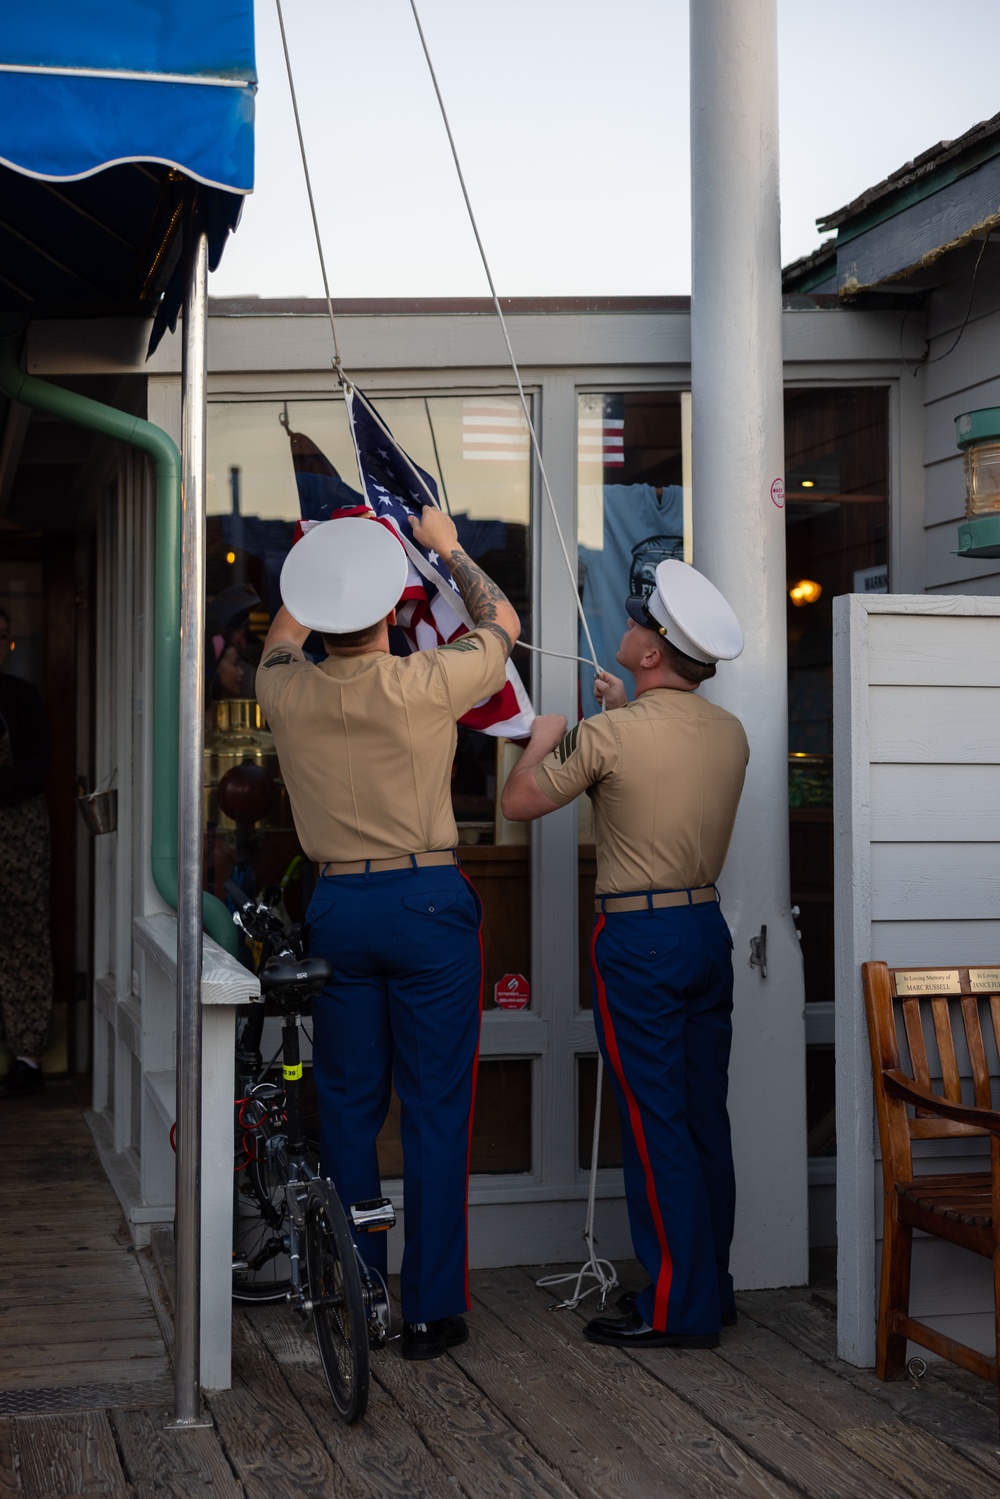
(778, 493)
(512, 992)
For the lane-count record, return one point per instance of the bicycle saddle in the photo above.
(308, 975)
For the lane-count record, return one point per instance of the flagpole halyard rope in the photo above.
(312, 204)
(506, 336)
(602, 1271)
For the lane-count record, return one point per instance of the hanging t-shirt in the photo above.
(640, 531)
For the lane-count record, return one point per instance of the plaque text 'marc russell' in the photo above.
(984, 980)
(927, 981)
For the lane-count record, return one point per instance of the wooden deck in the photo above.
(524, 1408)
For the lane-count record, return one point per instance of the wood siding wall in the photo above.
(917, 847)
(958, 377)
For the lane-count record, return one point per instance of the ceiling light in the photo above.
(807, 483)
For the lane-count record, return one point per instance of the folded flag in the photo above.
(431, 611)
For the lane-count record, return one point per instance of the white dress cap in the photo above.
(344, 575)
(696, 618)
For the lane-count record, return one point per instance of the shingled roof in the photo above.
(985, 134)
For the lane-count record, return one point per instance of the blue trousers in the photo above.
(404, 1005)
(663, 999)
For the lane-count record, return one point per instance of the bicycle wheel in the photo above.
(334, 1288)
(260, 1230)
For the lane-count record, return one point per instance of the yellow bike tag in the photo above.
(292, 1074)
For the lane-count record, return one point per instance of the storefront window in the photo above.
(501, 1123)
(631, 464)
(609, 1138)
(836, 487)
(837, 525)
(270, 462)
(633, 506)
(266, 459)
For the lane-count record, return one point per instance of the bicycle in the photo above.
(291, 1239)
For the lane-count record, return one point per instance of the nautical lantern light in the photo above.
(977, 433)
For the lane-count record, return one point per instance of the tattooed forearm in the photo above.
(483, 599)
(480, 593)
(505, 640)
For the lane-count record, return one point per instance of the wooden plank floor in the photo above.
(76, 1323)
(526, 1407)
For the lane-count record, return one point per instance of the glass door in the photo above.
(268, 462)
(837, 515)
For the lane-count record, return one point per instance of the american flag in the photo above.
(494, 431)
(431, 612)
(601, 434)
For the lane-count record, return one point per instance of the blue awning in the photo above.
(87, 86)
(102, 104)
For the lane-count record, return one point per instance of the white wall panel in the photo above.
(944, 725)
(935, 803)
(935, 881)
(917, 881)
(936, 942)
(933, 650)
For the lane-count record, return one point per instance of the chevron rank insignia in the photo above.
(568, 745)
(464, 643)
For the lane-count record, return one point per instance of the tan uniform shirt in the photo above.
(366, 743)
(664, 774)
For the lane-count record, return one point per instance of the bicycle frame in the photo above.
(329, 1281)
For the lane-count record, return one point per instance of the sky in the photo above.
(571, 122)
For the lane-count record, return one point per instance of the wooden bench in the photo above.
(936, 1007)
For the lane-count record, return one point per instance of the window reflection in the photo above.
(836, 487)
(274, 464)
(631, 506)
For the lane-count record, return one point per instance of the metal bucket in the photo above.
(99, 811)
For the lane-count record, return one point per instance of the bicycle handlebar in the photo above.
(258, 922)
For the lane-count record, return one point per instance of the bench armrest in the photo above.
(901, 1086)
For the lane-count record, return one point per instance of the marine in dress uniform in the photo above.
(366, 742)
(664, 774)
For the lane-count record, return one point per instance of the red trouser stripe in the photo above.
(661, 1299)
(475, 1076)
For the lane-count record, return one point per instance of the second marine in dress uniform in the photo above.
(664, 774)
(366, 742)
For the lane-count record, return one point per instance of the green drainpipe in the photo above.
(166, 460)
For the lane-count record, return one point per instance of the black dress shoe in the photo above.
(632, 1332)
(431, 1339)
(20, 1079)
(626, 1303)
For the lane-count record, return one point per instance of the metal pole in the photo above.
(187, 1223)
(739, 542)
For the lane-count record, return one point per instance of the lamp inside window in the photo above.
(805, 591)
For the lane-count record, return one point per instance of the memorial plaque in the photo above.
(927, 981)
(984, 980)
